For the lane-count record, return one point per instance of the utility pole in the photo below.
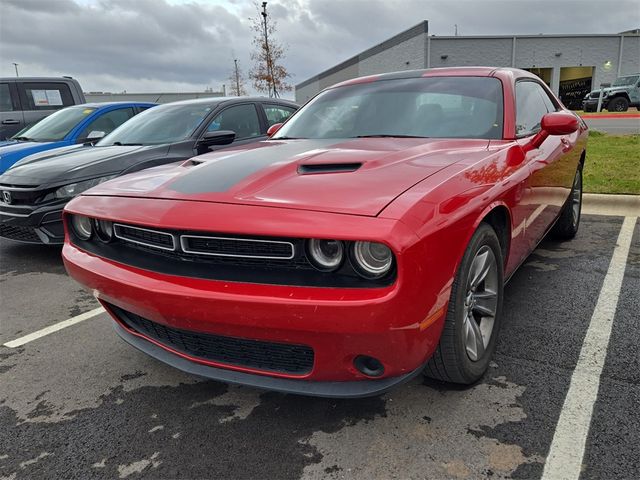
(15, 65)
(237, 75)
(272, 83)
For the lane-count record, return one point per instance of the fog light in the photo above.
(82, 226)
(369, 366)
(326, 255)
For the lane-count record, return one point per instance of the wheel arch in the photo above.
(499, 218)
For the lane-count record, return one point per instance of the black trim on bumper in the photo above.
(355, 389)
(36, 225)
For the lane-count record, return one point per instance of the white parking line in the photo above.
(564, 461)
(18, 342)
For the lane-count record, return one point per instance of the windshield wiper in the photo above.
(385, 135)
(22, 139)
(120, 144)
(288, 138)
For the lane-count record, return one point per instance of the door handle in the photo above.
(10, 122)
(566, 144)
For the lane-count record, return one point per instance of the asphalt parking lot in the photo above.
(614, 126)
(80, 403)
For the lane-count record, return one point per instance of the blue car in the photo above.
(71, 126)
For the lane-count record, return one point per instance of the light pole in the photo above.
(272, 82)
(235, 62)
(15, 65)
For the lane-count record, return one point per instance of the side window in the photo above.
(548, 102)
(530, 107)
(6, 105)
(242, 119)
(46, 96)
(108, 122)
(277, 113)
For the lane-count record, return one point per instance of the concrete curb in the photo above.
(618, 205)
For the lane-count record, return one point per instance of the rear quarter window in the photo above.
(45, 96)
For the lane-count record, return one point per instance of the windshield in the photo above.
(56, 126)
(440, 107)
(623, 81)
(163, 124)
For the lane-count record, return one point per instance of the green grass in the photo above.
(613, 164)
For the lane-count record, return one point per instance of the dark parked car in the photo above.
(27, 100)
(34, 192)
(75, 125)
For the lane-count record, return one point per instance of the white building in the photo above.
(570, 64)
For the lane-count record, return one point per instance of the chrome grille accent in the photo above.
(237, 247)
(145, 236)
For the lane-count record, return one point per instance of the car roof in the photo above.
(479, 71)
(219, 100)
(110, 104)
(38, 79)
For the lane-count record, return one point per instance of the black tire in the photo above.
(589, 109)
(451, 361)
(569, 220)
(618, 104)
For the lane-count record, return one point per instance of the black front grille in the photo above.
(260, 355)
(23, 234)
(144, 236)
(236, 247)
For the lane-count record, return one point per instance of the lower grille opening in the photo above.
(24, 234)
(260, 355)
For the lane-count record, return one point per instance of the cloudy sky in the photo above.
(189, 45)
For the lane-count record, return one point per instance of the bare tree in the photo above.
(237, 81)
(268, 74)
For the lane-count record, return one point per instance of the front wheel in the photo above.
(473, 318)
(567, 225)
(618, 104)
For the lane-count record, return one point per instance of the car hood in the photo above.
(13, 151)
(75, 164)
(356, 176)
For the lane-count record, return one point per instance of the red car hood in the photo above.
(359, 176)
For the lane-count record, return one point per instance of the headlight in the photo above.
(326, 255)
(73, 189)
(82, 226)
(104, 230)
(372, 259)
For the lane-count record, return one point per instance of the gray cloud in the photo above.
(177, 45)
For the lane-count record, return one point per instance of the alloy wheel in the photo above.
(481, 303)
(576, 199)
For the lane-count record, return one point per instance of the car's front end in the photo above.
(32, 213)
(244, 298)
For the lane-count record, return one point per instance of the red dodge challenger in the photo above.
(367, 241)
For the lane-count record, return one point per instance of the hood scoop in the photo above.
(315, 168)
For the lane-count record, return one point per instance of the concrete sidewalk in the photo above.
(618, 205)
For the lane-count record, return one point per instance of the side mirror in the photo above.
(221, 137)
(271, 131)
(95, 135)
(554, 123)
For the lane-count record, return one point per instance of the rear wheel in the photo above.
(618, 104)
(567, 225)
(473, 318)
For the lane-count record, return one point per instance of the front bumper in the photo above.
(591, 104)
(353, 389)
(392, 324)
(27, 224)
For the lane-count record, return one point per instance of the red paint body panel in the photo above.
(423, 198)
